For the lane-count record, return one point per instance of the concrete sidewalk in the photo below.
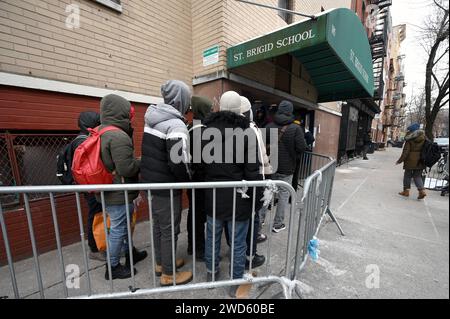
(405, 239)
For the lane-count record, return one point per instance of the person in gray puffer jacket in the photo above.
(165, 159)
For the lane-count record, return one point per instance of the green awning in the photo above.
(334, 48)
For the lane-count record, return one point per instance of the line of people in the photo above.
(168, 149)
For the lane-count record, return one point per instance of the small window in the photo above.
(288, 5)
(113, 4)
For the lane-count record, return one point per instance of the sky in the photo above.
(412, 13)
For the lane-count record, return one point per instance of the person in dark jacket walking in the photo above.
(165, 159)
(413, 166)
(201, 107)
(227, 166)
(89, 120)
(367, 141)
(117, 154)
(289, 145)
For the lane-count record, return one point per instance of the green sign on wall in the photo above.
(287, 40)
(334, 48)
(211, 56)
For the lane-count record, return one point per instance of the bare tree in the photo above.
(416, 108)
(436, 44)
(441, 125)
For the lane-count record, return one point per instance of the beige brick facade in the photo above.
(150, 42)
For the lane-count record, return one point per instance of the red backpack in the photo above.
(87, 166)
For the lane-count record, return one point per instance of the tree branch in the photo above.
(440, 6)
(436, 80)
(444, 103)
(444, 54)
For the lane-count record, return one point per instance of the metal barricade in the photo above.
(314, 206)
(304, 219)
(134, 289)
(436, 177)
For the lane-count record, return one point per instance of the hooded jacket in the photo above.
(86, 120)
(411, 151)
(224, 169)
(201, 108)
(165, 146)
(117, 150)
(292, 143)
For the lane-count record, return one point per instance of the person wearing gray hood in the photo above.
(165, 159)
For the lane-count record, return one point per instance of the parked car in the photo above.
(442, 141)
(397, 143)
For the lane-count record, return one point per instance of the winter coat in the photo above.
(292, 144)
(117, 150)
(411, 151)
(234, 171)
(165, 145)
(367, 140)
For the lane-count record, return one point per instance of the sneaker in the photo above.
(277, 229)
(261, 238)
(99, 255)
(257, 261)
(119, 272)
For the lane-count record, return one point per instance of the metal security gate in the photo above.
(308, 208)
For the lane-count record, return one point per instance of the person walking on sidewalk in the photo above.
(367, 142)
(291, 145)
(117, 154)
(165, 159)
(413, 166)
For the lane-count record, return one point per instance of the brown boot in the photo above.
(405, 193)
(181, 278)
(422, 194)
(159, 270)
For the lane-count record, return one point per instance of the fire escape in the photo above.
(379, 43)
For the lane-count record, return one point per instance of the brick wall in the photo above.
(135, 51)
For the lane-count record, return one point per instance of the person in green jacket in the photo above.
(117, 153)
(413, 166)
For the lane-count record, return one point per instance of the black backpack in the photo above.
(64, 163)
(430, 153)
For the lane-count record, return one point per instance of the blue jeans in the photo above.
(240, 245)
(118, 233)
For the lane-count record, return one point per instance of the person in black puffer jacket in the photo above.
(223, 167)
(291, 144)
